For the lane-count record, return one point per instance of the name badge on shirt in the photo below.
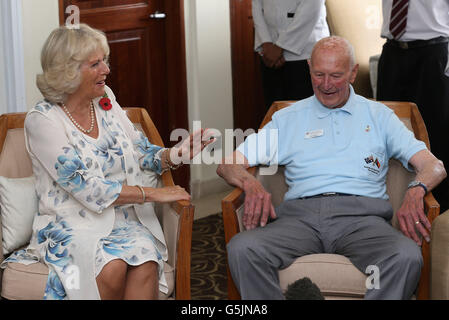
(314, 134)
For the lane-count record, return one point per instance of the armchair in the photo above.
(350, 283)
(28, 281)
(439, 263)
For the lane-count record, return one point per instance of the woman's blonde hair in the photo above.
(62, 56)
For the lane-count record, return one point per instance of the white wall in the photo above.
(209, 75)
(40, 17)
(3, 108)
(13, 82)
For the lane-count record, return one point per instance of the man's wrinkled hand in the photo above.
(411, 216)
(258, 206)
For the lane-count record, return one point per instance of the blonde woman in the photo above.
(96, 177)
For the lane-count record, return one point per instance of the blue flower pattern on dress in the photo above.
(19, 256)
(107, 147)
(148, 151)
(44, 106)
(56, 236)
(130, 241)
(71, 171)
(54, 290)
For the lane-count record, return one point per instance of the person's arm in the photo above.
(272, 55)
(133, 194)
(156, 158)
(411, 217)
(414, 156)
(260, 25)
(258, 204)
(74, 171)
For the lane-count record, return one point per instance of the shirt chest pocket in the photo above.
(372, 164)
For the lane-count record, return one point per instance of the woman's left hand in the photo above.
(191, 146)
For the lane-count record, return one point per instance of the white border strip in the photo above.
(14, 66)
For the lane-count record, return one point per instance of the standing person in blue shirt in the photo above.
(336, 200)
(414, 67)
(285, 33)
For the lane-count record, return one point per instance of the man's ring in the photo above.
(416, 222)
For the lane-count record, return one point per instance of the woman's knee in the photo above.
(146, 272)
(112, 279)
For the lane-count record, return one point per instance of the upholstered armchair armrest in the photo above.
(431, 207)
(229, 205)
(432, 210)
(439, 279)
(177, 222)
(2, 257)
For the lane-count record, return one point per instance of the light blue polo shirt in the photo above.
(333, 150)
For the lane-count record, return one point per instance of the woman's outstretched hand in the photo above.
(191, 146)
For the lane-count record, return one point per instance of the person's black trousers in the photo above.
(289, 82)
(417, 75)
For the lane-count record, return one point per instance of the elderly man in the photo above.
(335, 203)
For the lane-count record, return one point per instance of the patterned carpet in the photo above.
(208, 267)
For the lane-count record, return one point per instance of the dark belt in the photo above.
(328, 194)
(417, 43)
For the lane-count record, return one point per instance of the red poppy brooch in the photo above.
(105, 103)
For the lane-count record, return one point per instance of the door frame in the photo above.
(248, 101)
(177, 99)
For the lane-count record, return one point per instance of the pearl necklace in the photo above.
(92, 118)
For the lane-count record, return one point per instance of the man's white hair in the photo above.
(338, 43)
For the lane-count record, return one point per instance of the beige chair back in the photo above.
(14, 159)
(360, 23)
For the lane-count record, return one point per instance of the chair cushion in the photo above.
(439, 252)
(14, 159)
(24, 282)
(27, 282)
(334, 274)
(19, 205)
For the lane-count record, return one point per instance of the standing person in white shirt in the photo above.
(414, 67)
(285, 33)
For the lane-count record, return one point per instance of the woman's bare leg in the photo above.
(142, 282)
(112, 280)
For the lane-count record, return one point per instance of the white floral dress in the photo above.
(129, 240)
(77, 231)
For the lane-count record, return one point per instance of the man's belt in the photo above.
(417, 43)
(328, 194)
